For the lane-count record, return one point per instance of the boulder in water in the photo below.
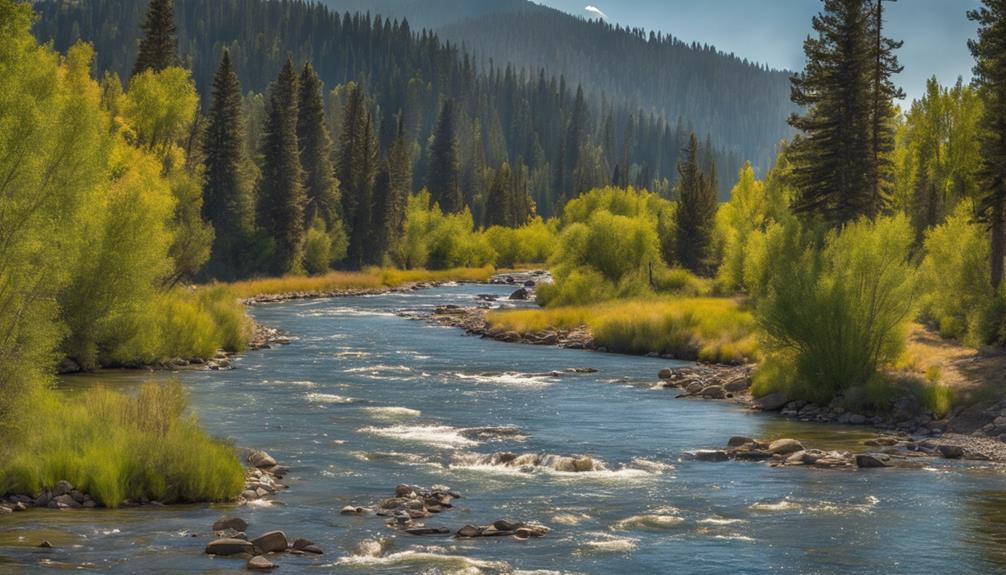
(260, 563)
(871, 460)
(785, 446)
(771, 402)
(261, 459)
(235, 523)
(271, 542)
(228, 547)
(707, 455)
(520, 294)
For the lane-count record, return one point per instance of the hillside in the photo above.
(567, 144)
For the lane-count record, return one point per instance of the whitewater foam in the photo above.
(328, 398)
(392, 412)
(437, 435)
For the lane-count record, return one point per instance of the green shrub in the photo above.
(116, 446)
(317, 251)
(956, 280)
(532, 243)
(833, 315)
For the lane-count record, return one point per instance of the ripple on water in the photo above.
(608, 543)
(392, 412)
(328, 398)
(510, 379)
(443, 436)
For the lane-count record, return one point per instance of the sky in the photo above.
(771, 32)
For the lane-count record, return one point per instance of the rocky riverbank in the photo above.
(473, 321)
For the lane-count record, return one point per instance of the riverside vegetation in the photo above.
(117, 198)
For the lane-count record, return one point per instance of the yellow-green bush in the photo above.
(117, 446)
(955, 278)
(706, 329)
(833, 315)
(530, 243)
(436, 240)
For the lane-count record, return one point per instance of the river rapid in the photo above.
(364, 399)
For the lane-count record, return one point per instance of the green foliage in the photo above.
(159, 47)
(833, 315)
(696, 213)
(435, 240)
(443, 178)
(317, 250)
(955, 275)
(530, 243)
(116, 446)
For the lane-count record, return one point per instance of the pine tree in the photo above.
(499, 205)
(400, 167)
(353, 123)
(696, 214)
(362, 175)
(990, 76)
(383, 216)
(281, 194)
(159, 46)
(882, 122)
(227, 200)
(320, 186)
(521, 205)
(833, 151)
(443, 180)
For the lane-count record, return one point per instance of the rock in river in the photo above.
(260, 564)
(521, 294)
(235, 523)
(261, 459)
(771, 402)
(951, 451)
(785, 446)
(707, 455)
(271, 542)
(871, 460)
(229, 547)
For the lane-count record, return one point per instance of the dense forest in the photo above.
(520, 116)
(742, 106)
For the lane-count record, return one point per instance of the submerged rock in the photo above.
(261, 459)
(235, 523)
(707, 455)
(771, 402)
(785, 446)
(226, 547)
(260, 563)
(872, 460)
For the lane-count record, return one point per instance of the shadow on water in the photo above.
(986, 526)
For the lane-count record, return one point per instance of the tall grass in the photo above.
(117, 446)
(705, 329)
(372, 278)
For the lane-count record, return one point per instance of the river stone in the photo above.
(468, 531)
(951, 451)
(350, 510)
(62, 488)
(235, 523)
(428, 531)
(228, 547)
(45, 545)
(713, 392)
(771, 402)
(857, 419)
(665, 373)
(739, 440)
(261, 459)
(260, 563)
(64, 501)
(504, 525)
(707, 455)
(403, 490)
(271, 542)
(737, 384)
(871, 460)
(785, 446)
(520, 294)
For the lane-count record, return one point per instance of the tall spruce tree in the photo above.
(362, 175)
(832, 154)
(443, 180)
(400, 167)
(351, 135)
(383, 215)
(696, 214)
(499, 204)
(227, 199)
(882, 121)
(281, 192)
(159, 45)
(989, 50)
(320, 186)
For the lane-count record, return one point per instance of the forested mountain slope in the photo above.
(742, 105)
(432, 14)
(535, 121)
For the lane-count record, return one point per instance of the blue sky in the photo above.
(935, 32)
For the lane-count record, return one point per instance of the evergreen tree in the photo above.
(320, 186)
(882, 123)
(383, 216)
(281, 193)
(499, 205)
(227, 201)
(362, 175)
(522, 207)
(400, 168)
(443, 179)
(832, 154)
(159, 46)
(353, 123)
(990, 76)
(696, 214)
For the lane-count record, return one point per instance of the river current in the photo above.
(364, 399)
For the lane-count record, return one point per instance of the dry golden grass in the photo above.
(707, 329)
(372, 278)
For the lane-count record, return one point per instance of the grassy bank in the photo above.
(708, 329)
(372, 278)
(116, 446)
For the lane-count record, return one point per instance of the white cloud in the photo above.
(596, 11)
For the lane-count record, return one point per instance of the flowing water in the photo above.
(363, 400)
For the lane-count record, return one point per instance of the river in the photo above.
(363, 400)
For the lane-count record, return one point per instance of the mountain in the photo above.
(743, 106)
(566, 141)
